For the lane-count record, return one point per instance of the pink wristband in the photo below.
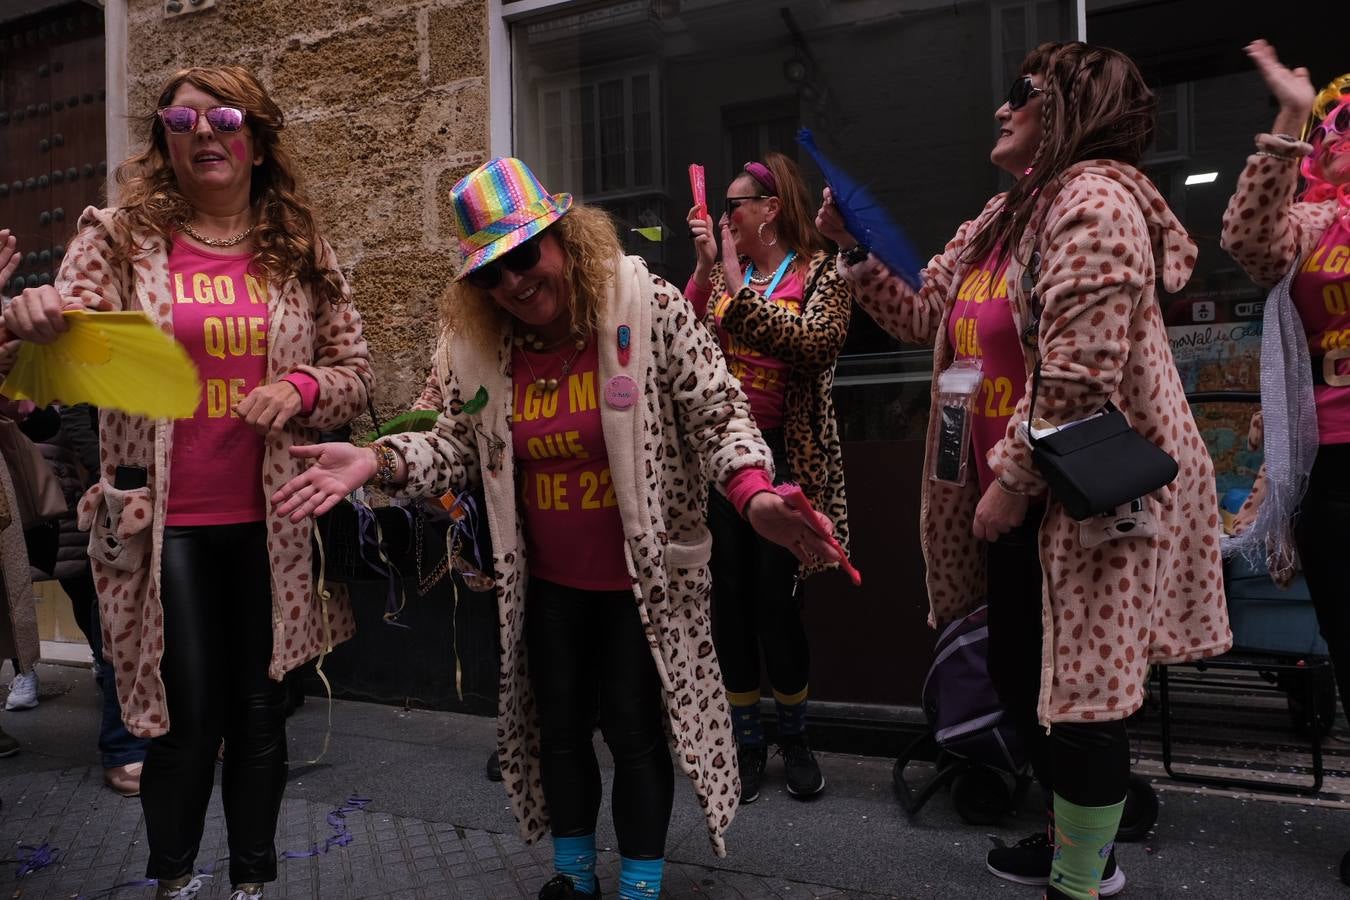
(308, 387)
(745, 484)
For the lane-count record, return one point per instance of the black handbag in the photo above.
(1097, 464)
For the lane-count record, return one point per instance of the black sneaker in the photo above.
(804, 779)
(751, 761)
(1029, 861)
(560, 887)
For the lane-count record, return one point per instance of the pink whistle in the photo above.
(698, 186)
(794, 497)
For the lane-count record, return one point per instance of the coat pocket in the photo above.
(689, 554)
(118, 522)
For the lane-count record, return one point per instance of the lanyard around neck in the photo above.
(777, 276)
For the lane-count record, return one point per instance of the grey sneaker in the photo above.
(23, 691)
(183, 888)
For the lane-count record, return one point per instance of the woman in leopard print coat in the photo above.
(1077, 610)
(584, 395)
(781, 327)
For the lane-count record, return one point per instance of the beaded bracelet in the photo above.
(386, 463)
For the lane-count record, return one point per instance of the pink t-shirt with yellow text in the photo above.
(573, 534)
(1321, 294)
(981, 327)
(762, 377)
(220, 316)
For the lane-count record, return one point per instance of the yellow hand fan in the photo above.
(118, 360)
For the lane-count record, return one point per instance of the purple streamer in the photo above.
(341, 836)
(35, 858)
(368, 540)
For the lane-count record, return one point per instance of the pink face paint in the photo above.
(238, 150)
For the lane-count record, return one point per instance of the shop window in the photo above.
(613, 101)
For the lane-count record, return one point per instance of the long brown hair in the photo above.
(287, 238)
(796, 222)
(590, 246)
(1096, 106)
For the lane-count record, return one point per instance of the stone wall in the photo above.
(387, 106)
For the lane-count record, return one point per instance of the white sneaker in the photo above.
(23, 691)
(247, 892)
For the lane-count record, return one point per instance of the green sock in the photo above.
(1084, 836)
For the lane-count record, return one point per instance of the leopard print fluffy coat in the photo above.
(689, 427)
(127, 526)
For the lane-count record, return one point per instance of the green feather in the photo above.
(412, 420)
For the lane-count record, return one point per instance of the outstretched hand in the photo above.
(1293, 89)
(337, 470)
(773, 519)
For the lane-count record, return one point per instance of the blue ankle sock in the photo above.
(745, 718)
(640, 879)
(575, 858)
(791, 712)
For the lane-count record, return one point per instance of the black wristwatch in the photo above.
(855, 254)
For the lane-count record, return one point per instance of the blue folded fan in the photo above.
(865, 218)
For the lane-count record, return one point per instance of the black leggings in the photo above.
(1086, 763)
(755, 602)
(588, 654)
(1319, 531)
(217, 597)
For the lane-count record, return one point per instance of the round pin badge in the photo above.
(621, 392)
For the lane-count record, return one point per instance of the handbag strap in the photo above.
(1032, 333)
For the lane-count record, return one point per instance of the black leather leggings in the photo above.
(1087, 763)
(217, 597)
(588, 655)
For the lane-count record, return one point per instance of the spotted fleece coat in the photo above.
(127, 526)
(1112, 604)
(1264, 230)
(690, 426)
(809, 342)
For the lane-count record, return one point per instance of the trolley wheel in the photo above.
(1141, 810)
(980, 795)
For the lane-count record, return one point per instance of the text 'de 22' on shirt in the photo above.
(1321, 294)
(220, 316)
(981, 327)
(573, 534)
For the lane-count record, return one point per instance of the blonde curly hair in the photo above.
(287, 237)
(590, 245)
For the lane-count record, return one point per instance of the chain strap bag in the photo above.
(1096, 464)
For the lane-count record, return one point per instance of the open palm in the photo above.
(337, 470)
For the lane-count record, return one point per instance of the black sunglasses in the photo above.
(734, 202)
(519, 259)
(1022, 91)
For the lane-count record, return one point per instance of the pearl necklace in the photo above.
(547, 385)
(217, 242)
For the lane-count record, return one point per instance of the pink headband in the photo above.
(761, 173)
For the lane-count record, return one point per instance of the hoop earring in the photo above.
(760, 232)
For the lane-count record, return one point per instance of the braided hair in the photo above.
(1096, 106)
